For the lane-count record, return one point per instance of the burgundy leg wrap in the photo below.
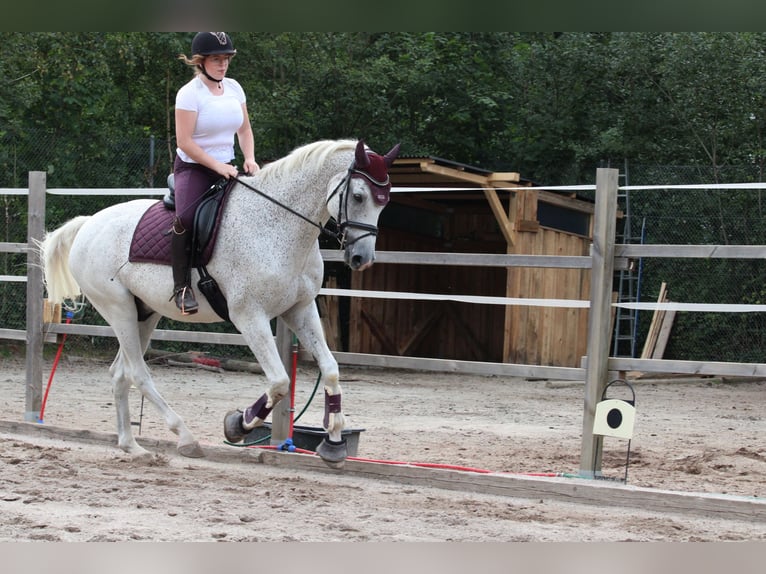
(331, 405)
(257, 409)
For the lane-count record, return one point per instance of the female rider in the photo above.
(209, 111)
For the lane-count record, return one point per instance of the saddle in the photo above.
(152, 237)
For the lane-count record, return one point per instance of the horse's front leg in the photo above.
(238, 422)
(304, 321)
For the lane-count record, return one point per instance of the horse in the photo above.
(266, 262)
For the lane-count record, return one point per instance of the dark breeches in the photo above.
(191, 182)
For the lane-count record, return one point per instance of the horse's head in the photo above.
(365, 193)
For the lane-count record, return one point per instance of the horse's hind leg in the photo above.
(129, 368)
(187, 444)
(121, 383)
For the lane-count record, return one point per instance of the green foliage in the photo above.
(550, 105)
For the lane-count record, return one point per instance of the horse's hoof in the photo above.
(333, 453)
(232, 426)
(141, 455)
(135, 451)
(192, 450)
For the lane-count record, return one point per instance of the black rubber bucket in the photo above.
(306, 438)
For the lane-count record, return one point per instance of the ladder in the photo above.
(628, 280)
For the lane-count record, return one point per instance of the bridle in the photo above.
(344, 223)
(342, 220)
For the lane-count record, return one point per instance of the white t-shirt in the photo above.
(218, 117)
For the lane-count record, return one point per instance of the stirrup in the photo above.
(185, 300)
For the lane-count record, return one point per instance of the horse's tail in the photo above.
(54, 255)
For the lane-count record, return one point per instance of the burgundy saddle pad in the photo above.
(151, 240)
(153, 234)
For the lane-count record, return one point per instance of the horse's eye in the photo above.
(358, 197)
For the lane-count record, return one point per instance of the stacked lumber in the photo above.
(659, 330)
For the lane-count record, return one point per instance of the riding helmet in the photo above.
(209, 43)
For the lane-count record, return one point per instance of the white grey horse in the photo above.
(266, 262)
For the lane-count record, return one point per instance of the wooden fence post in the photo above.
(599, 317)
(34, 356)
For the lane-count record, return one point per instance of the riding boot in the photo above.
(179, 256)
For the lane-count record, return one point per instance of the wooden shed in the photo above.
(462, 209)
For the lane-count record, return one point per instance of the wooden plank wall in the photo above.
(462, 331)
(438, 329)
(547, 335)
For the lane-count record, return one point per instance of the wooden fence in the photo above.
(597, 367)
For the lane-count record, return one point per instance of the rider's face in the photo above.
(217, 64)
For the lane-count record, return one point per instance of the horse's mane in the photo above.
(315, 153)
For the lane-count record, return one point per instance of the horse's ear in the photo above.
(362, 160)
(391, 155)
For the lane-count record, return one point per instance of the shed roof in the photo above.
(435, 171)
(432, 181)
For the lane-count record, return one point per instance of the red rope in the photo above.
(53, 369)
(425, 464)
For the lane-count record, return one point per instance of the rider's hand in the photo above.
(251, 167)
(227, 170)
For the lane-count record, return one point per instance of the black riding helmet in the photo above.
(209, 43)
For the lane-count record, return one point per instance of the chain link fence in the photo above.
(692, 217)
(663, 216)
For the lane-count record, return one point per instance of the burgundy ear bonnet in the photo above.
(374, 168)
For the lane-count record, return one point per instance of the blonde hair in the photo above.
(196, 61)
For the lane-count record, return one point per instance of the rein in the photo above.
(342, 225)
(319, 226)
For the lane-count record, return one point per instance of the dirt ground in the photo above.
(704, 435)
